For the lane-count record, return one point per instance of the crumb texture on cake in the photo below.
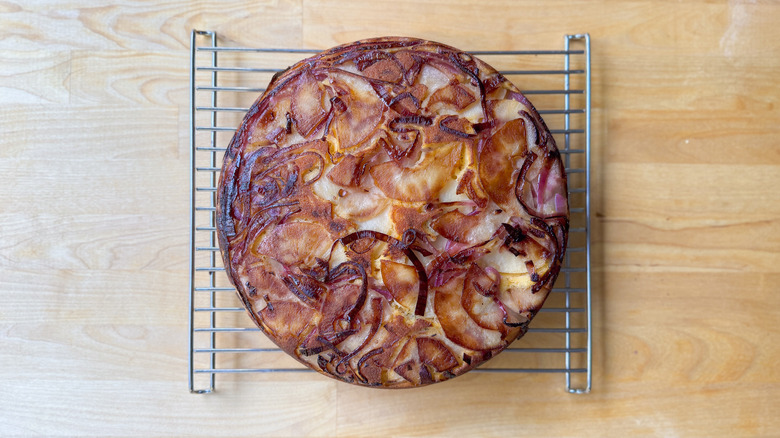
(393, 212)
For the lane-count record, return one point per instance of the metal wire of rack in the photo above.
(223, 84)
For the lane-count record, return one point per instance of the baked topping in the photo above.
(393, 212)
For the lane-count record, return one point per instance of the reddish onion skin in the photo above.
(364, 199)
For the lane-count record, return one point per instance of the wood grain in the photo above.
(94, 151)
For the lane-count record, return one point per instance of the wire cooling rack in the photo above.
(225, 81)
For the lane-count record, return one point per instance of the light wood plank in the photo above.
(109, 164)
(128, 77)
(121, 408)
(133, 24)
(116, 133)
(710, 194)
(690, 137)
(34, 77)
(111, 242)
(102, 297)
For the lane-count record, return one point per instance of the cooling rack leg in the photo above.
(585, 38)
(589, 358)
(567, 159)
(192, 213)
(193, 45)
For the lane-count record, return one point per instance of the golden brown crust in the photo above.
(392, 212)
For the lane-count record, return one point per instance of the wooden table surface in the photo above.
(94, 224)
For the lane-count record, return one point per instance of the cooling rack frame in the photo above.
(203, 345)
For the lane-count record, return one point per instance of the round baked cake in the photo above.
(393, 212)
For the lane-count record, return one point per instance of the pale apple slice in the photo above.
(432, 78)
(516, 296)
(542, 186)
(359, 205)
(505, 110)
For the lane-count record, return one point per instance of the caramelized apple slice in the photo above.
(468, 228)
(363, 111)
(295, 243)
(469, 184)
(272, 124)
(433, 352)
(287, 322)
(334, 309)
(479, 299)
(422, 182)
(400, 145)
(456, 323)
(497, 161)
(407, 363)
(401, 281)
(405, 218)
(308, 107)
(388, 70)
(348, 172)
(266, 286)
(408, 102)
(453, 95)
